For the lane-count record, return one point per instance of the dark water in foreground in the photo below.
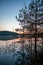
(17, 51)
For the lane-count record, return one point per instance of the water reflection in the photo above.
(18, 51)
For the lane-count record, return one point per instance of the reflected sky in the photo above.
(15, 51)
(8, 10)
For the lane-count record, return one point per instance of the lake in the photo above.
(18, 51)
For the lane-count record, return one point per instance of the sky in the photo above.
(8, 10)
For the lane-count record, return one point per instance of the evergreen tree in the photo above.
(31, 18)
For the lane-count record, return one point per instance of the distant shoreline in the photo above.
(7, 37)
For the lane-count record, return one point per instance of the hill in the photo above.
(6, 35)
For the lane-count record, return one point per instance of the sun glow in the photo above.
(10, 25)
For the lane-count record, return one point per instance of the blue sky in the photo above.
(8, 10)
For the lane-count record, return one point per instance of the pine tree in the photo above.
(31, 18)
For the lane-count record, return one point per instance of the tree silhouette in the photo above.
(31, 18)
(35, 10)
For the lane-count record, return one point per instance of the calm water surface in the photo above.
(13, 51)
